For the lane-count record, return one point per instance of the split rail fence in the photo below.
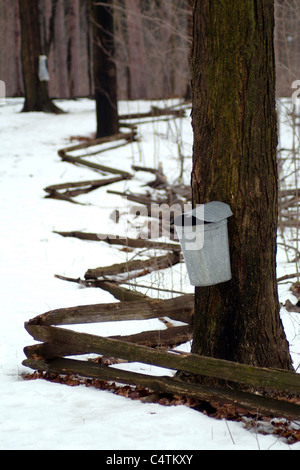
(58, 346)
(66, 352)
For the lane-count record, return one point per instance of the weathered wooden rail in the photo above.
(57, 344)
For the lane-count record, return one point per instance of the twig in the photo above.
(229, 432)
(288, 276)
(153, 288)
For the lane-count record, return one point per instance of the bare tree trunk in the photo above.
(10, 60)
(8, 41)
(189, 6)
(167, 35)
(83, 84)
(49, 18)
(136, 51)
(36, 91)
(235, 138)
(61, 69)
(105, 76)
(17, 47)
(75, 72)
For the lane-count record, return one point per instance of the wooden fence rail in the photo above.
(248, 401)
(57, 342)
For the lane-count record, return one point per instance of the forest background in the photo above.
(152, 44)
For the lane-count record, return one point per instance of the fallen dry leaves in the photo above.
(281, 428)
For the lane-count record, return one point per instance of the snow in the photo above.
(39, 415)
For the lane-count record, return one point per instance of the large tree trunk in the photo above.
(105, 75)
(235, 138)
(36, 91)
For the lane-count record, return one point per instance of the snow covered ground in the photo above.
(39, 415)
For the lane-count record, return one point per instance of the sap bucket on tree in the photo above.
(203, 237)
(43, 71)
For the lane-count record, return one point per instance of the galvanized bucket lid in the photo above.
(214, 211)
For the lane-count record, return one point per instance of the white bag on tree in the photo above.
(43, 71)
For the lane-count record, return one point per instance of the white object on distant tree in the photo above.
(43, 71)
(2, 92)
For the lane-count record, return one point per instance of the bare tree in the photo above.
(36, 90)
(151, 47)
(136, 51)
(152, 44)
(75, 50)
(61, 51)
(235, 138)
(287, 40)
(105, 73)
(10, 57)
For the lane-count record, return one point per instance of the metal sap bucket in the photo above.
(43, 71)
(203, 236)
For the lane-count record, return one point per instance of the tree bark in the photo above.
(61, 51)
(105, 75)
(235, 138)
(10, 58)
(136, 51)
(75, 50)
(36, 91)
